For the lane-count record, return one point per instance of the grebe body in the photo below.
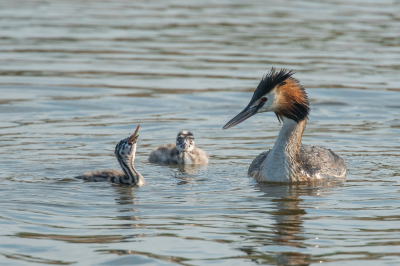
(288, 160)
(125, 152)
(183, 151)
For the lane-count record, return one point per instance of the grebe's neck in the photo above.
(289, 139)
(282, 163)
(185, 157)
(132, 177)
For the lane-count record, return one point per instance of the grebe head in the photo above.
(185, 141)
(277, 92)
(126, 149)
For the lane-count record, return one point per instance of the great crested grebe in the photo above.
(125, 152)
(288, 160)
(183, 152)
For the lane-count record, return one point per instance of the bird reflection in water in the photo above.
(126, 199)
(186, 173)
(289, 217)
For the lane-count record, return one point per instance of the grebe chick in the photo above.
(183, 152)
(288, 160)
(125, 152)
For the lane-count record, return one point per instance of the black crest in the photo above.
(295, 104)
(270, 81)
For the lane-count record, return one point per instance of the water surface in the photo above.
(76, 77)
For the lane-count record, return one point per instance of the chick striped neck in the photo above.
(131, 175)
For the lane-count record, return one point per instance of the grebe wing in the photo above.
(102, 175)
(198, 156)
(167, 154)
(255, 165)
(321, 163)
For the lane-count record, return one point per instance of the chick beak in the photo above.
(134, 137)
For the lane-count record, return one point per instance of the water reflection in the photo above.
(125, 195)
(288, 215)
(140, 257)
(186, 173)
(125, 199)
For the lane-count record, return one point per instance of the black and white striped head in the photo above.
(185, 141)
(126, 149)
(277, 92)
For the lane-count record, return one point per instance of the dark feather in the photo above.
(271, 80)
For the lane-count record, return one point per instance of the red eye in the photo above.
(264, 99)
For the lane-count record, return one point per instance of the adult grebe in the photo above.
(125, 152)
(288, 160)
(183, 152)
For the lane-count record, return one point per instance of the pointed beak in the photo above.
(134, 136)
(249, 111)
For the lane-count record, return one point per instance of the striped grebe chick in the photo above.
(288, 160)
(125, 152)
(183, 151)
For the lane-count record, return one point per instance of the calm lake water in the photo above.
(78, 76)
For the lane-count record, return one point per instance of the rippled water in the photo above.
(78, 76)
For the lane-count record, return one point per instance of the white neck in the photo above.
(282, 164)
(289, 138)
